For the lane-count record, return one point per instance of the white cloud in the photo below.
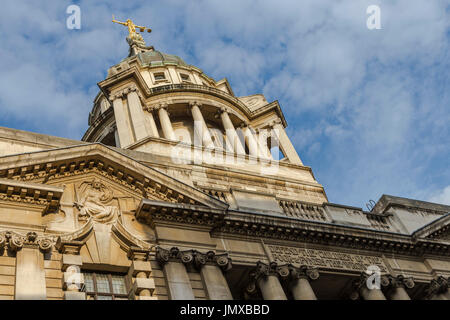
(442, 196)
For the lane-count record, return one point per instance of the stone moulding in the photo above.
(30, 193)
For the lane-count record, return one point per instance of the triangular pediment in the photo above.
(438, 230)
(55, 167)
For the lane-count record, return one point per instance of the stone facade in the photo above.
(181, 190)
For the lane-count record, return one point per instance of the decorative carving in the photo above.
(401, 281)
(197, 258)
(362, 281)
(210, 257)
(92, 203)
(436, 286)
(303, 271)
(272, 269)
(15, 242)
(324, 259)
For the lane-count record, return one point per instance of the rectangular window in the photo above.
(159, 76)
(105, 286)
(185, 77)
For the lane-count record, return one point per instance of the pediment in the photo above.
(438, 230)
(60, 167)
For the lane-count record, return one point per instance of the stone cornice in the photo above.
(151, 212)
(238, 224)
(30, 193)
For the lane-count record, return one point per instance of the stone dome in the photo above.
(156, 58)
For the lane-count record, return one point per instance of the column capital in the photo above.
(275, 122)
(361, 282)
(401, 281)
(15, 242)
(195, 103)
(173, 254)
(272, 269)
(303, 271)
(210, 257)
(436, 286)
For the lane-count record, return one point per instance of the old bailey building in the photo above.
(181, 190)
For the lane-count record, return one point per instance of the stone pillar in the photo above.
(200, 127)
(367, 293)
(252, 143)
(437, 289)
(397, 287)
(142, 285)
(175, 272)
(151, 121)
(300, 287)
(262, 135)
(211, 268)
(30, 274)
(122, 121)
(164, 119)
(285, 143)
(230, 132)
(266, 278)
(141, 127)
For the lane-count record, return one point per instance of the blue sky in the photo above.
(368, 110)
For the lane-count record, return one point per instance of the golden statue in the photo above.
(131, 27)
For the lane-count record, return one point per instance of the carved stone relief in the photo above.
(93, 199)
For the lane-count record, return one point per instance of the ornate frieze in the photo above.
(324, 259)
(14, 241)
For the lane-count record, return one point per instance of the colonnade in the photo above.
(135, 121)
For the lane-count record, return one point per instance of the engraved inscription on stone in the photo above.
(324, 259)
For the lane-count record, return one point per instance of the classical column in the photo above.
(262, 135)
(397, 287)
(164, 119)
(300, 287)
(201, 129)
(230, 132)
(151, 122)
(437, 289)
(30, 275)
(285, 143)
(175, 272)
(266, 277)
(141, 127)
(367, 293)
(122, 122)
(211, 268)
(252, 143)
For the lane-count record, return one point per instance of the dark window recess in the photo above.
(185, 77)
(159, 76)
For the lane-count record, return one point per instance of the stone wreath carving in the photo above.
(93, 199)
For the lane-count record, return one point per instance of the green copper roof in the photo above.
(155, 58)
